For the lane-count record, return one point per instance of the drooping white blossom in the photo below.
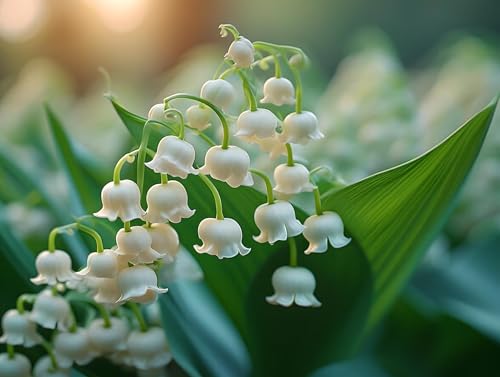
(300, 128)
(222, 238)
(121, 200)
(276, 222)
(18, 366)
(219, 92)
(255, 125)
(136, 244)
(53, 267)
(320, 230)
(278, 91)
(174, 157)
(292, 179)
(108, 339)
(148, 349)
(167, 202)
(198, 117)
(139, 284)
(19, 329)
(50, 311)
(73, 347)
(241, 52)
(228, 165)
(293, 285)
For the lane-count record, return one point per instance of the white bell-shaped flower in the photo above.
(19, 329)
(101, 265)
(255, 125)
(136, 244)
(50, 311)
(148, 349)
(18, 366)
(293, 285)
(174, 157)
(273, 146)
(300, 128)
(108, 339)
(222, 238)
(278, 91)
(121, 200)
(184, 267)
(241, 52)
(276, 222)
(198, 117)
(53, 267)
(139, 284)
(165, 241)
(167, 202)
(44, 368)
(228, 165)
(292, 179)
(157, 112)
(73, 347)
(104, 290)
(219, 92)
(320, 230)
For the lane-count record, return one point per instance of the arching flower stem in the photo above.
(215, 193)
(267, 181)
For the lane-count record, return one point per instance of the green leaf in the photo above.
(395, 214)
(203, 341)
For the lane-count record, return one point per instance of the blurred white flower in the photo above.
(108, 339)
(293, 285)
(148, 349)
(136, 245)
(18, 366)
(139, 284)
(167, 202)
(198, 116)
(73, 347)
(228, 165)
(278, 91)
(157, 113)
(219, 92)
(276, 222)
(320, 230)
(50, 311)
(44, 368)
(101, 265)
(53, 267)
(19, 329)
(222, 238)
(165, 241)
(174, 157)
(121, 200)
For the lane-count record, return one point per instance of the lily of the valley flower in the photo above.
(101, 265)
(167, 202)
(323, 229)
(121, 200)
(104, 290)
(50, 311)
(53, 267)
(222, 238)
(241, 52)
(44, 368)
(165, 240)
(276, 222)
(139, 284)
(136, 244)
(73, 347)
(108, 339)
(293, 285)
(228, 165)
(157, 112)
(278, 91)
(148, 349)
(219, 92)
(174, 157)
(273, 146)
(300, 128)
(255, 125)
(17, 366)
(19, 329)
(292, 179)
(198, 117)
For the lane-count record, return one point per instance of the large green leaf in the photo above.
(395, 214)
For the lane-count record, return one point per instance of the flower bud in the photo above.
(321, 229)
(228, 165)
(70, 347)
(136, 244)
(221, 237)
(198, 117)
(53, 267)
(108, 339)
(157, 113)
(174, 157)
(278, 91)
(18, 366)
(148, 349)
(299, 128)
(292, 179)
(293, 285)
(50, 311)
(138, 284)
(258, 124)
(219, 92)
(241, 52)
(18, 329)
(121, 200)
(167, 202)
(101, 265)
(44, 368)
(276, 222)
(165, 241)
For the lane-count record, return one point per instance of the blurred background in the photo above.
(389, 80)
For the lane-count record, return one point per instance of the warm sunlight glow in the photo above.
(20, 19)
(120, 16)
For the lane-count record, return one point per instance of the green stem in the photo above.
(181, 120)
(225, 28)
(126, 226)
(317, 169)
(48, 348)
(272, 51)
(10, 351)
(252, 102)
(164, 178)
(298, 90)
(280, 48)
(129, 157)
(91, 232)
(138, 315)
(267, 181)
(104, 315)
(293, 251)
(227, 72)
(225, 125)
(218, 202)
(289, 155)
(74, 326)
(20, 304)
(205, 138)
(53, 234)
(317, 201)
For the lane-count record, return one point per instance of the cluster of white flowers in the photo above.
(126, 273)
